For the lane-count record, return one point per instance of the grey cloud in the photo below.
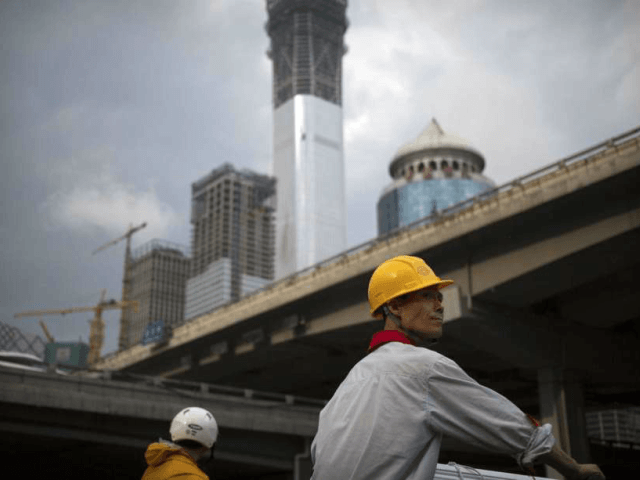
(157, 93)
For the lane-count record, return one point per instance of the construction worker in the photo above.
(388, 417)
(194, 432)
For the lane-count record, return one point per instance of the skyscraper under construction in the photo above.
(158, 274)
(306, 52)
(232, 238)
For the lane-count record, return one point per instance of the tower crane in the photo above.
(96, 330)
(46, 331)
(126, 281)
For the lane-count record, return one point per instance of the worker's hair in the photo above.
(400, 298)
(187, 443)
(381, 311)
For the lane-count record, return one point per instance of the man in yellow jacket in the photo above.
(194, 432)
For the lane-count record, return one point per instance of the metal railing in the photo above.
(197, 389)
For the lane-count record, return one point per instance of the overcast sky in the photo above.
(111, 109)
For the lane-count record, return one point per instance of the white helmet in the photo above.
(194, 423)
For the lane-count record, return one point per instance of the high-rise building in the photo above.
(232, 243)
(433, 172)
(158, 274)
(306, 52)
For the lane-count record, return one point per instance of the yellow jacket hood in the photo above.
(167, 460)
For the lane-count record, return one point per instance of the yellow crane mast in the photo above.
(96, 330)
(126, 281)
(46, 331)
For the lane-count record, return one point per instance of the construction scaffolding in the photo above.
(307, 48)
(157, 244)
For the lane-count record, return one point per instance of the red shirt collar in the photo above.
(387, 336)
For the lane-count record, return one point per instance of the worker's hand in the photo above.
(588, 471)
(569, 468)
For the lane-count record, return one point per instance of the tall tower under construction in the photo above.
(306, 51)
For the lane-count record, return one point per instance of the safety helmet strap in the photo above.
(417, 337)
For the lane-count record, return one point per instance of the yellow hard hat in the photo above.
(398, 276)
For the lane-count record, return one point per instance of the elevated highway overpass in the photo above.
(55, 426)
(544, 308)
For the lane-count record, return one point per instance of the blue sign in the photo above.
(154, 332)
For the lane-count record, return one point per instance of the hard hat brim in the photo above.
(439, 285)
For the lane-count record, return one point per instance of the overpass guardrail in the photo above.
(185, 386)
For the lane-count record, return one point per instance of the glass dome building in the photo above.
(433, 172)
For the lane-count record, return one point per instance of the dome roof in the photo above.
(433, 137)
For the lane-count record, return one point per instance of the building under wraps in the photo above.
(232, 243)
(158, 273)
(306, 52)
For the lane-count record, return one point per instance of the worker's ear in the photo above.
(393, 306)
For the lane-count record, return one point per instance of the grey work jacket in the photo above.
(387, 418)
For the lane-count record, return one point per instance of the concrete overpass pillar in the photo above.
(302, 463)
(562, 405)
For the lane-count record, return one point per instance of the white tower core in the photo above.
(306, 50)
(308, 164)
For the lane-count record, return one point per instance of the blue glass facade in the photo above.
(431, 173)
(414, 200)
